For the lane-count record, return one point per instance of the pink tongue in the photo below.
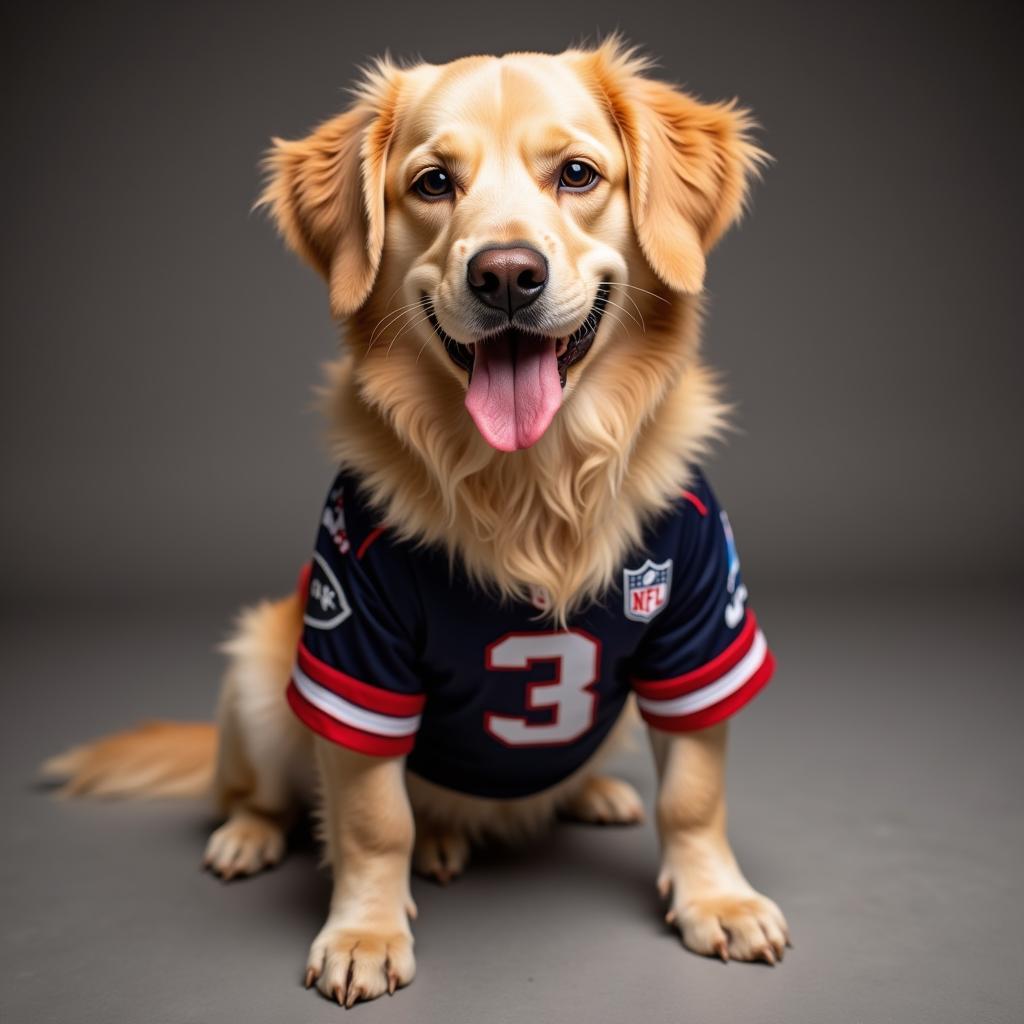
(515, 390)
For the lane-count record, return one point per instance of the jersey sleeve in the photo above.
(704, 657)
(355, 679)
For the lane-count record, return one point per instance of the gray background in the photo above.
(160, 346)
(160, 467)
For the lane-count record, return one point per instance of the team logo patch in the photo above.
(333, 520)
(645, 590)
(327, 605)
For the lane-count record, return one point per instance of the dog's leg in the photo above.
(365, 947)
(252, 785)
(263, 749)
(604, 800)
(716, 910)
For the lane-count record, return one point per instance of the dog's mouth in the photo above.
(568, 350)
(516, 377)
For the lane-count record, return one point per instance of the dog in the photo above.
(519, 543)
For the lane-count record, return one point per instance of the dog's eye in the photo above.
(577, 176)
(435, 184)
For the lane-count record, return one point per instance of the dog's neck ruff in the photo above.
(560, 515)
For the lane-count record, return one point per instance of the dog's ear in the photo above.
(326, 191)
(690, 163)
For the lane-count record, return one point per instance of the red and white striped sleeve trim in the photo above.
(350, 712)
(713, 692)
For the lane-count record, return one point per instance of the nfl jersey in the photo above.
(402, 655)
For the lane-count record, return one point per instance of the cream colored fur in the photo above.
(637, 412)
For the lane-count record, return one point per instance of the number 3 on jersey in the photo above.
(576, 657)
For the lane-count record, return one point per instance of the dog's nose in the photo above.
(507, 279)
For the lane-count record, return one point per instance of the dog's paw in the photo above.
(740, 925)
(245, 844)
(440, 855)
(353, 964)
(605, 801)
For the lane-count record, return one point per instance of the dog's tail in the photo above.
(158, 759)
(155, 759)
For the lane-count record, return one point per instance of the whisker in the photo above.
(637, 288)
(392, 295)
(618, 320)
(389, 321)
(386, 301)
(397, 324)
(408, 327)
(429, 307)
(627, 312)
(390, 316)
(639, 313)
(422, 347)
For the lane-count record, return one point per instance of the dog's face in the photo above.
(512, 216)
(508, 221)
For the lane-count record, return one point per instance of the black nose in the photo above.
(507, 279)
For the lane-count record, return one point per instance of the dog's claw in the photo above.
(311, 976)
(354, 967)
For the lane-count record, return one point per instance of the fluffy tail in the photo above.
(156, 759)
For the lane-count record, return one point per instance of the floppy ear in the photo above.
(690, 164)
(326, 191)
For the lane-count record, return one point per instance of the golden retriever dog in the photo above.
(516, 246)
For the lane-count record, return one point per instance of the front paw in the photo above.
(350, 964)
(245, 844)
(733, 924)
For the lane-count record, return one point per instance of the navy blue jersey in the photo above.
(402, 655)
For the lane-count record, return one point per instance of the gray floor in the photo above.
(875, 793)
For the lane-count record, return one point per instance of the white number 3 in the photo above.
(577, 658)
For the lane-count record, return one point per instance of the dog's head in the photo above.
(513, 216)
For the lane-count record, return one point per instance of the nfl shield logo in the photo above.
(645, 590)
